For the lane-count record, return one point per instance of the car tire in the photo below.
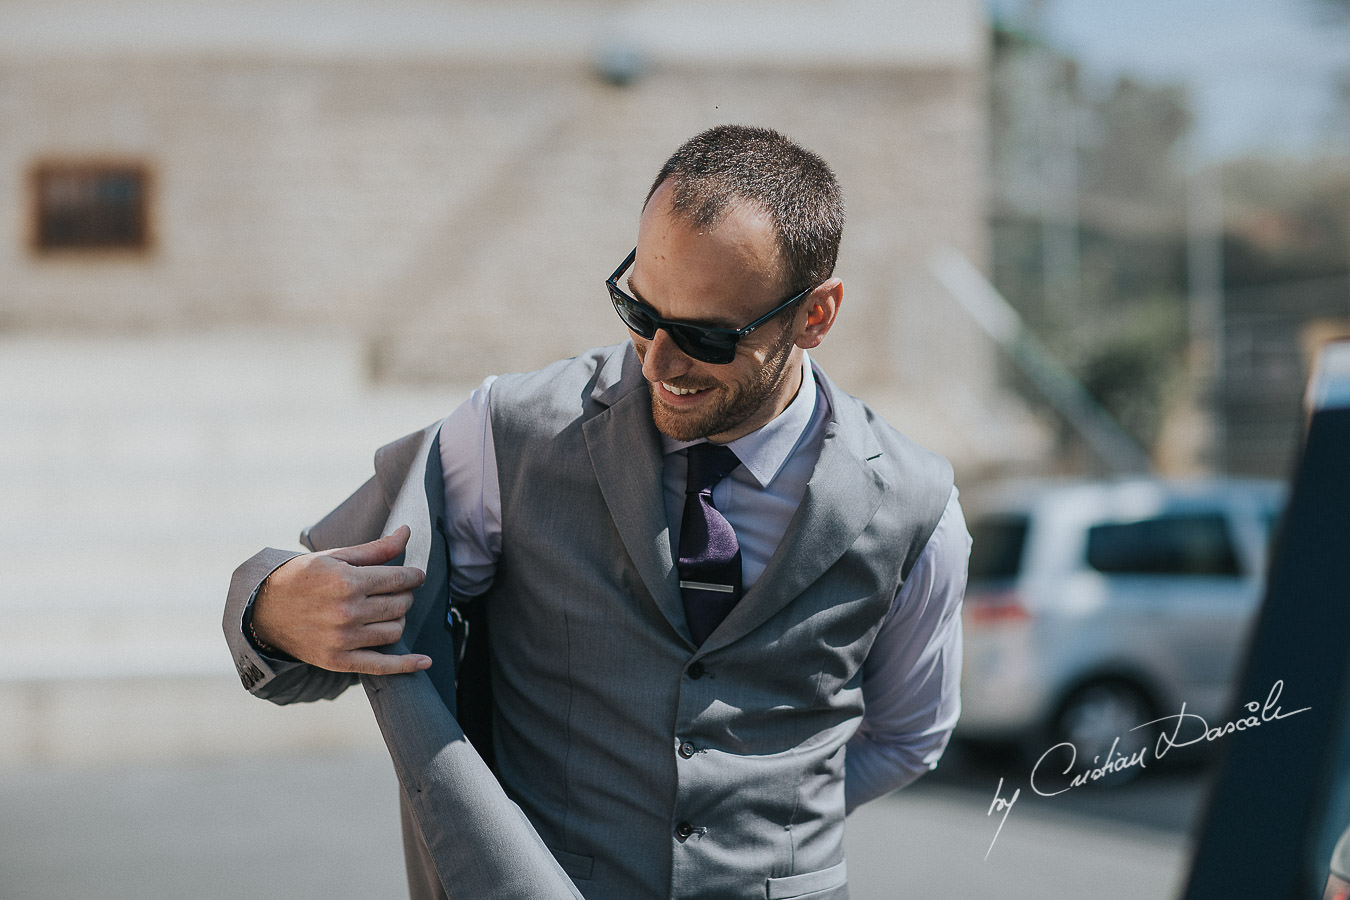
(1098, 715)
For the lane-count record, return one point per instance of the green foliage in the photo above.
(1088, 223)
(1130, 366)
(1288, 220)
(1092, 218)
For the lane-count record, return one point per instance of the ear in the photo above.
(821, 308)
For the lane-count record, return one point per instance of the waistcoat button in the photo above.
(687, 749)
(683, 831)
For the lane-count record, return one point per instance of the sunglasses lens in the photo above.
(632, 315)
(704, 346)
(699, 343)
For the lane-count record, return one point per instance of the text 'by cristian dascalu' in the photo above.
(1050, 779)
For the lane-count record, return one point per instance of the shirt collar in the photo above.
(764, 451)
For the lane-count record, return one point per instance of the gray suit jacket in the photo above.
(475, 842)
(588, 573)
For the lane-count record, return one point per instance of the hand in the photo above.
(330, 608)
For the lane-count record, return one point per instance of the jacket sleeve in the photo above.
(359, 518)
(280, 681)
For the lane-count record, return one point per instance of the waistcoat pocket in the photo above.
(574, 864)
(809, 884)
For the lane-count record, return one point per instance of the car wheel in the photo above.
(1099, 716)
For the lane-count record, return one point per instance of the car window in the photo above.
(997, 549)
(1177, 544)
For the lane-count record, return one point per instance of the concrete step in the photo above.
(135, 474)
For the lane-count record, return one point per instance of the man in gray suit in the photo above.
(694, 678)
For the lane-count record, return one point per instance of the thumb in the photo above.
(375, 553)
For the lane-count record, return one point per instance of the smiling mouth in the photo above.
(681, 392)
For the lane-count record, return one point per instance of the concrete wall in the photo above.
(456, 209)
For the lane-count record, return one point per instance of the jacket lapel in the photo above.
(410, 474)
(842, 497)
(625, 452)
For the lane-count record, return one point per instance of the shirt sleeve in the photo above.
(912, 677)
(473, 503)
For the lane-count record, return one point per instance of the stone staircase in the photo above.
(135, 473)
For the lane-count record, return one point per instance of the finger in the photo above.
(382, 608)
(373, 662)
(377, 580)
(377, 634)
(375, 553)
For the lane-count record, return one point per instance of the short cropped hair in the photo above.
(729, 165)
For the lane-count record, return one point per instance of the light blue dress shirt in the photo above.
(911, 679)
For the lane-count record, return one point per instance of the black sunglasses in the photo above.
(705, 343)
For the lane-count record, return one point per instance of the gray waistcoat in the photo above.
(650, 767)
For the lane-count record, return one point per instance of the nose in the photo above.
(662, 360)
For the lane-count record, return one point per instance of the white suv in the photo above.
(1097, 606)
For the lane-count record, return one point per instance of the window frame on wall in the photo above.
(90, 207)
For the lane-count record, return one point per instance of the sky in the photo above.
(1261, 73)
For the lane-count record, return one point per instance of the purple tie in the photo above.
(710, 557)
